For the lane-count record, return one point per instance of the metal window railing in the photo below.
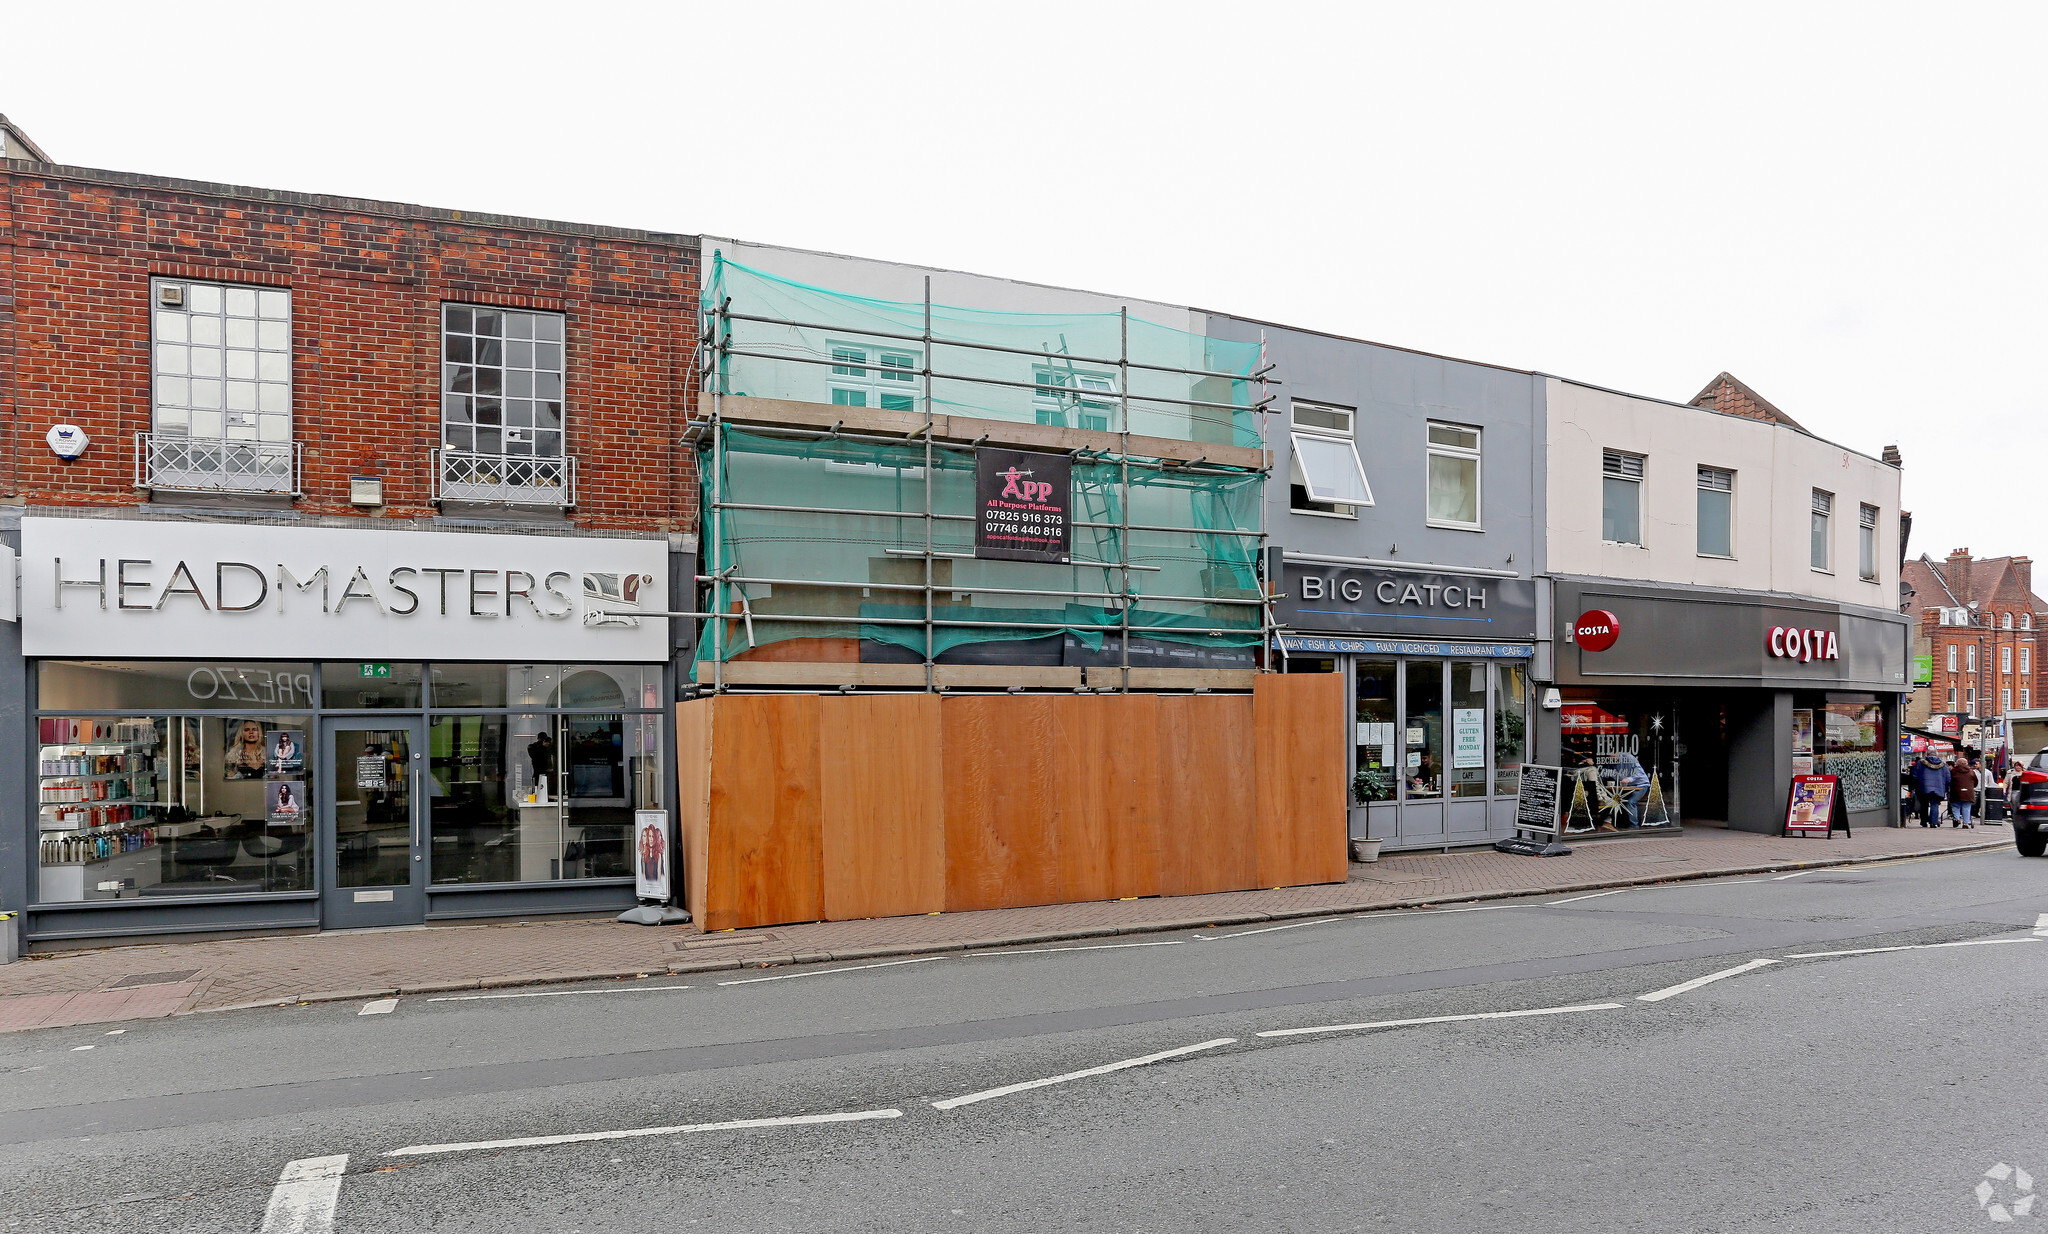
(213, 465)
(511, 479)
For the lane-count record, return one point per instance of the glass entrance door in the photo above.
(373, 824)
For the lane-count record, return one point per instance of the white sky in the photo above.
(1840, 204)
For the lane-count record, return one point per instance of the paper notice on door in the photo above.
(1468, 737)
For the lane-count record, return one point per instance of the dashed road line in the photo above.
(304, 1198)
(953, 1103)
(821, 972)
(1794, 874)
(1684, 987)
(738, 1124)
(1292, 925)
(625, 989)
(1171, 942)
(1972, 942)
(1438, 1019)
(382, 1006)
(1596, 895)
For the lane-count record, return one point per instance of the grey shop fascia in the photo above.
(1384, 601)
(182, 584)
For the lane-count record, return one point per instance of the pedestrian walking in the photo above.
(1962, 792)
(1930, 787)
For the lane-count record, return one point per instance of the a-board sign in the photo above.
(1022, 503)
(1812, 803)
(1541, 803)
(651, 855)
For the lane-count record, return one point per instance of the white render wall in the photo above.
(1776, 470)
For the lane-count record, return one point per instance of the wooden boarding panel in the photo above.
(693, 799)
(1107, 796)
(999, 776)
(1208, 795)
(882, 806)
(1298, 719)
(765, 865)
(770, 673)
(1003, 676)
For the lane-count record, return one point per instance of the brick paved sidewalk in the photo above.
(137, 982)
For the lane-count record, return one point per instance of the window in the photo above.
(879, 377)
(1866, 544)
(1970, 700)
(1325, 475)
(2004, 701)
(501, 381)
(1061, 398)
(2005, 659)
(221, 398)
(1716, 512)
(1971, 656)
(1952, 657)
(2007, 621)
(1951, 698)
(2026, 698)
(1621, 497)
(1453, 475)
(2026, 660)
(1823, 513)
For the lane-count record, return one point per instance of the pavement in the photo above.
(1827, 1051)
(135, 982)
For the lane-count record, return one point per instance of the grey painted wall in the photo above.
(1396, 393)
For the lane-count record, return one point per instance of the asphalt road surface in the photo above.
(1898, 1089)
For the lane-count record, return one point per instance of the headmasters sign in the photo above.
(131, 588)
(1405, 602)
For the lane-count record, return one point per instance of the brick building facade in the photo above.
(1977, 620)
(81, 250)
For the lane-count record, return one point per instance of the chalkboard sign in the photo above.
(1542, 799)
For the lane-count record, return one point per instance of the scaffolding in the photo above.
(875, 477)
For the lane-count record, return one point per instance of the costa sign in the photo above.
(1596, 629)
(1805, 646)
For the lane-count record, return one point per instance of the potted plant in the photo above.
(1369, 785)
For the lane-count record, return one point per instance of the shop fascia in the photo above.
(109, 587)
(1444, 602)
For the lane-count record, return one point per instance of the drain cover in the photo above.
(154, 979)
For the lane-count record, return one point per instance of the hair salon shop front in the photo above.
(238, 726)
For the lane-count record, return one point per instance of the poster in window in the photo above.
(284, 803)
(1022, 504)
(285, 752)
(651, 851)
(1468, 737)
(246, 754)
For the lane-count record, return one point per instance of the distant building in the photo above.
(1976, 617)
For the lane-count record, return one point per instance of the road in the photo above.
(1800, 1091)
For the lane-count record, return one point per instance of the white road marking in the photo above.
(382, 1006)
(2041, 926)
(75, 1049)
(1973, 942)
(1292, 925)
(820, 972)
(1438, 1019)
(1658, 996)
(1794, 874)
(303, 1200)
(116, 1032)
(629, 989)
(952, 1103)
(738, 1124)
(1171, 942)
(1596, 895)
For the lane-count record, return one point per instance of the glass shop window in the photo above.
(1378, 765)
(1422, 742)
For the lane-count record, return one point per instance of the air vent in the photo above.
(171, 295)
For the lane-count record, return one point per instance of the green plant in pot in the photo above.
(1369, 785)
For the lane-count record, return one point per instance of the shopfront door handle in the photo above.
(418, 807)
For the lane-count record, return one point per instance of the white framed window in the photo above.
(1971, 655)
(2026, 660)
(1324, 473)
(2026, 698)
(866, 375)
(1952, 657)
(1866, 544)
(1970, 700)
(1716, 516)
(2004, 701)
(222, 361)
(1062, 398)
(1820, 549)
(1621, 497)
(2005, 659)
(502, 378)
(1454, 477)
(1951, 698)
(2007, 621)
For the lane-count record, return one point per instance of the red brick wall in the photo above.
(77, 250)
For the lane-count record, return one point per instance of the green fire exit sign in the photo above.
(373, 670)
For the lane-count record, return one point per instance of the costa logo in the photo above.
(1596, 629)
(1805, 646)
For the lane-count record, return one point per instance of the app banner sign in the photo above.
(1022, 504)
